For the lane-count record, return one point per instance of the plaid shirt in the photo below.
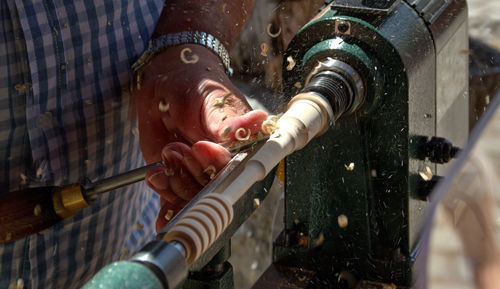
(64, 118)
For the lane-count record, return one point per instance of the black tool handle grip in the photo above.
(26, 212)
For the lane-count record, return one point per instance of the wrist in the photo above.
(209, 42)
(207, 61)
(168, 63)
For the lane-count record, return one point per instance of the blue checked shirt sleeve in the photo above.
(64, 118)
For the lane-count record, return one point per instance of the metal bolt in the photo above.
(343, 27)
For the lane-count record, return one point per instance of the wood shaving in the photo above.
(263, 49)
(169, 215)
(138, 80)
(272, 35)
(349, 167)
(20, 86)
(426, 175)
(302, 241)
(352, 281)
(163, 78)
(343, 221)
(318, 241)
(124, 254)
(163, 107)
(39, 173)
(238, 135)
(221, 101)
(135, 131)
(298, 85)
(193, 59)
(224, 8)
(20, 283)
(269, 125)
(211, 171)
(291, 63)
(37, 210)
(256, 203)
(138, 226)
(8, 237)
(24, 179)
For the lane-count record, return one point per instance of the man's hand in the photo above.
(184, 110)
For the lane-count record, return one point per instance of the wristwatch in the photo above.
(185, 37)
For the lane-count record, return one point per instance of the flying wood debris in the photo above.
(163, 107)
(349, 167)
(220, 101)
(291, 63)
(269, 125)
(211, 171)
(240, 137)
(169, 215)
(37, 210)
(272, 35)
(263, 49)
(343, 221)
(426, 175)
(193, 59)
(24, 179)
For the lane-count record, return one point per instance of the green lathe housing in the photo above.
(355, 197)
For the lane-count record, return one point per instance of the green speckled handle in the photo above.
(124, 275)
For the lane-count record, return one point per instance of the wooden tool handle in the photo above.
(26, 212)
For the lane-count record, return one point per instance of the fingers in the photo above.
(157, 179)
(186, 170)
(173, 181)
(180, 179)
(245, 125)
(210, 154)
(184, 174)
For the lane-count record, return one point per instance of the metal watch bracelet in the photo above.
(185, 37)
